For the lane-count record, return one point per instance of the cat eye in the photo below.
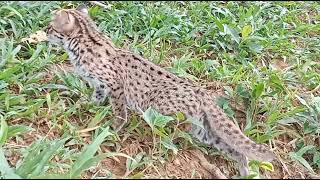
(48, 29)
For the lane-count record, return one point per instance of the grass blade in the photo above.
(6, 171)
(84, 158)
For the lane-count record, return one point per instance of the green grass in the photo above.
(264, 56)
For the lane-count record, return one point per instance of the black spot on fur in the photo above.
(107, 52)
(199, 132)
(217, 141)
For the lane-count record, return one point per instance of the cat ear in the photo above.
(82, 8)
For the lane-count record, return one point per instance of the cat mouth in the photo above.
(54, 40)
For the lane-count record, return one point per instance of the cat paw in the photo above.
(118, 124)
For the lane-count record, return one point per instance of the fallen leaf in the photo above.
(38, 36)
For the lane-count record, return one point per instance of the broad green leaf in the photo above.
(195, 121)
(240, 90)
(180, 116)
(149, 116)
(88, 153)
(155, 119)
(14, 130)
(301, 160)
(246, 30)
(96, 159)
(8, 73)
(255, 47)
(302, 101)
(234, 34)
(3, 131)
(38, 156)
(48, 98)
(132, 164)
(316, 159)
(3, 85)
(218, 23)
(257, 90)
(304, 150)
(167, 142)
(275, 81)
(288, 121)
(316, 103)
(185, 135)
(161, 121)
(99, 116)
(33, 106)
(267, 166)
(47, 155)
(31, 158)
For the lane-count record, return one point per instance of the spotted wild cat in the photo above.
(133, 81)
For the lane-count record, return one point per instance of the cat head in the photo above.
(67, 23)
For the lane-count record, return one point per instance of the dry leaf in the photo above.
(38, 36)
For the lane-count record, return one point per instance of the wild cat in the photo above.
(133, 81)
